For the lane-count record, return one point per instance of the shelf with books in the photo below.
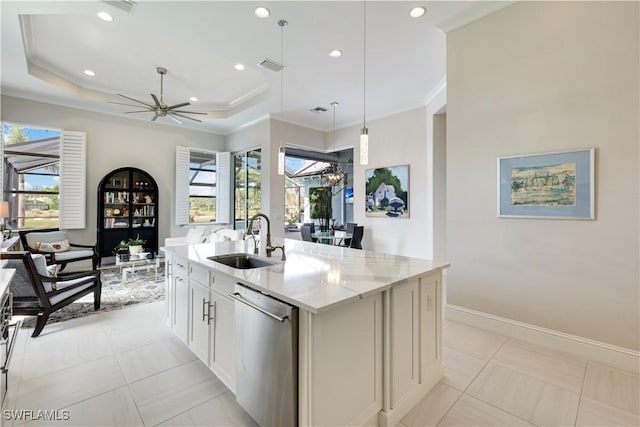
(127, 205)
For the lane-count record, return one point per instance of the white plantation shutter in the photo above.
(2, 172)
(182, 185)
(223, 188)
(73, 180)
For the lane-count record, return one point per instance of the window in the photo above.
(293, 203)
(247, 187)
(202, 186)
(31, 176)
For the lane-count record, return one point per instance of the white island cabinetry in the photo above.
(180, 299)
(369, 325)
(212, 321)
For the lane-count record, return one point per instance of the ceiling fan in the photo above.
(160, 109)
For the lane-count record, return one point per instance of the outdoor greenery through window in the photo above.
(247, 187)
(202, 186)
(31, 172)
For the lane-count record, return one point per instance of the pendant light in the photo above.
(364, 135)
(334, 176)
(281, 154)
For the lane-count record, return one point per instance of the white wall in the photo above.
(538, 77)
(114, 142)
(395, 140)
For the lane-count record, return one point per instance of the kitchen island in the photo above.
(369, 324)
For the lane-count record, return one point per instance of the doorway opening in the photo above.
(310, 172)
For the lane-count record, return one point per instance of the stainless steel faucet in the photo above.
(269, 248)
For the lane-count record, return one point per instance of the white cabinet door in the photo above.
(222, 351)
(404, 338)
(429, 319)
(181, 307)
(199, 320)
(168, 289)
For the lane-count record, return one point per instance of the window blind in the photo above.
(73, 180)
(182, 185)
(223, 188)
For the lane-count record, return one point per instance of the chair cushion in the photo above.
(45, 237)
(40, 261)
(71, 255)
(61, 246)
(57, 298)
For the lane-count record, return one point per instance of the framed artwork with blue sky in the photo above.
(548, 185)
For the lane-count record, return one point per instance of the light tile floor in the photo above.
(126, 368)
(492, 380)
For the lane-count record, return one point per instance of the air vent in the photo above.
(126, 5)
(319, 110)
(272, 65)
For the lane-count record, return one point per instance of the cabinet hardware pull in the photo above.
(209, 318)
(238, 297)
(204, 315)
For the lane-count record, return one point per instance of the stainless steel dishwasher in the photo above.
(266, 357)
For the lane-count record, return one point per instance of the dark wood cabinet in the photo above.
(127, 207)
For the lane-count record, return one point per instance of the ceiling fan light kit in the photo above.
(159, 107)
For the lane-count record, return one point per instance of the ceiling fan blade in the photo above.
(155, 116)
(135, 100)
(122, 103)
(173, 113)
(188, 112)
(174, 119)
(155, 98)
(138, 111)
(182, 104)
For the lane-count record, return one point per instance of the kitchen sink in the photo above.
(241, 261)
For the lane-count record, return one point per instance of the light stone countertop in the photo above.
(5, 278)
(315, 277)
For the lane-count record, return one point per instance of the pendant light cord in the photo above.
(282, 23)
(364, 67)
(334, 125)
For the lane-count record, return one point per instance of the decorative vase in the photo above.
(135, 250)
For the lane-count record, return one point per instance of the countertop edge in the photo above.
(228, 271)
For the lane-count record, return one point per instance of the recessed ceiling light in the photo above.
(239, 67)
(417, 12)
(89, 73)
(262, 12)
(193, 99)
(335, 53)
(105, 16)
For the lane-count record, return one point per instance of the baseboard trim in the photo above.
(619, 357)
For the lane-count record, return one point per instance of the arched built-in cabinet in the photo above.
(127, 207)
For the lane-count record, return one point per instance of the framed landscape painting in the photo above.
(387, 192)
(549, 185)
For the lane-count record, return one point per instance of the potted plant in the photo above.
(122, 247)
(135, 245)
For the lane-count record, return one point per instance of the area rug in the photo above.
(141, 287)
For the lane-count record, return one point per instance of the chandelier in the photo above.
(334, 177)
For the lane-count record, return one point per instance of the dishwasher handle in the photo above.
(238, 297)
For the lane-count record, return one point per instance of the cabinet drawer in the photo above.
(179, 267)
(199, 274)
(222, 283)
